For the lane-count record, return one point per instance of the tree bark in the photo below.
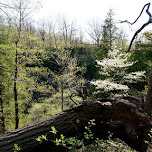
(122, 116)
(19, 29)
(62, 95)
(148, 103)
(15, 89)
(2, 112)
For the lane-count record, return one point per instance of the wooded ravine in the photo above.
(50, 76)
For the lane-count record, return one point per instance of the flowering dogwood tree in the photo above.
(113, 70)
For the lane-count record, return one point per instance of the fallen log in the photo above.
(123, 116)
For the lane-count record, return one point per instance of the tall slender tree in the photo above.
(109, 31)
(66, 73)
(5, 66)
(20, 11)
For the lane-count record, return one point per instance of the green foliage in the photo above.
(54, 131)
(55, 66)
(68, 75)
(143, 58)
(79, 145)
(111, 36)
(109, 31)
(149, 142)
(77, 121)
(16, 148)
(115, 145)
(50, 106)
(40, 139)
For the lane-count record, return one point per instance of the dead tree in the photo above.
(148, 103)
(142, 27)
(124, 117)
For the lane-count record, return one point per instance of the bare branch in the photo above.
(138, 31)
(143, 26)
(3, 5)
(73, 100)
(126, 21)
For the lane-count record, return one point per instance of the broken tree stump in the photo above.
(122, 116)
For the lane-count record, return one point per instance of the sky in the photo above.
(82, 11)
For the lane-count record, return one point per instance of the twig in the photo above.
(143, 26)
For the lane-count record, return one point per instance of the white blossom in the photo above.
(114, 60)
(114, 67)
(107, 85)
(134, 76)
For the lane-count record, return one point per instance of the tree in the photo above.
(148, 104)
(5, 72)
(144, 62)
(19, 13)
(66, 75)
(67, 30)
(2, 73)
(143, 26)
(95, 30)
(115, 78)
(121, 39)
(109, 31)
(46, 30)
(110, 36)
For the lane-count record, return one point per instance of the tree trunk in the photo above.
(62, 96)
(19, 29)
(122, 116)
(15, 90)
(2, 112)
(148, 103)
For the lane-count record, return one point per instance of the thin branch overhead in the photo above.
(143, 26)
